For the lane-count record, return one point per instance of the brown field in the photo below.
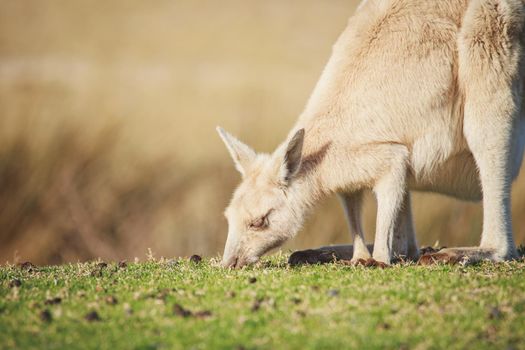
(107, 124)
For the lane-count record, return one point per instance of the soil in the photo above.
(53, 301)
(92, 317)
(15, 283)
(111, 300)
(28, 266)
(45, 315)
(180, 311)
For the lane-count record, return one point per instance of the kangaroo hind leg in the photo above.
(490, 74)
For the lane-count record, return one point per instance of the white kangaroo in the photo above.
(417, 95)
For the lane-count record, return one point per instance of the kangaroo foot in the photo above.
(464, 256)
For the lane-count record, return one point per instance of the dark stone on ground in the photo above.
(92, 317)
(333, 292)
(45, 315)
(180, 311)
(196, 259)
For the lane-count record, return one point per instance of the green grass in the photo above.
(267, 307)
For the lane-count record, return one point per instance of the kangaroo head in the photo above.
(266, 208)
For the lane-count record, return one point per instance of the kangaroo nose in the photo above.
(231, 262)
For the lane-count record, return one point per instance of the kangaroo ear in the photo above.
(292, 157)
(241, 154)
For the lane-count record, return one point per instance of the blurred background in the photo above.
(107, 124)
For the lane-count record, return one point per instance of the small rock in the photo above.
(495, 313)
(180, 311)
(252, 280)
(92, 317)
(53, 301)
(203, 314)
(45, 315)
(15, 283)
(333, 292)
(257, 304)
(196, 259)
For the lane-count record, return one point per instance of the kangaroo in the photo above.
(417, 95)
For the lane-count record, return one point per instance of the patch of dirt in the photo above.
(301, 313)
(495, 313)
(27, 266)
(97, 271)
(257, 304)
(15, 283)
(161, 294)
(203, 314)
(111, 300)
(179, 310)
(45, 316)
(53, 301)
(385, 326)
(92, 317)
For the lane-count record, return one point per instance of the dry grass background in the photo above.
(107, 117)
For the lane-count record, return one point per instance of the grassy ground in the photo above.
(182, 304)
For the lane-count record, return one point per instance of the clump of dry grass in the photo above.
(66, 200)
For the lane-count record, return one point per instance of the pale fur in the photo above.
(417, 95)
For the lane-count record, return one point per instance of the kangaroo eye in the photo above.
(261, 223)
